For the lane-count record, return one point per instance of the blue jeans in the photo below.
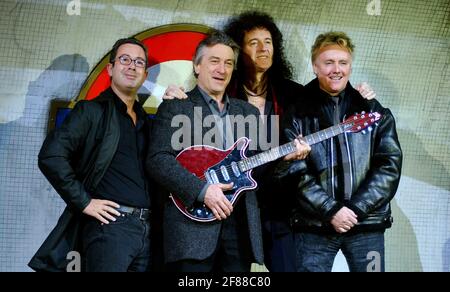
(120, 246)
(363, 251)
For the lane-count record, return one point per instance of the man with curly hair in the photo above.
(263, 78)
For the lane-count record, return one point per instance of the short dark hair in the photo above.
(115, 48)
(214, 37)
(245, 22)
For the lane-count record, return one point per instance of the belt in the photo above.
(142, 213)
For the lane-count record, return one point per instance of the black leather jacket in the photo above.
(74, 158)
(375, 164)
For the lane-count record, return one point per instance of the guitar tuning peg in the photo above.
(363, 132)
(370, 129)
(363, 113)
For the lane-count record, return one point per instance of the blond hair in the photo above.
(331, 38)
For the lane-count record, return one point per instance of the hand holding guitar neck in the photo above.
(302, 151)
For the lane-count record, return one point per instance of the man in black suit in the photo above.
(233, 241)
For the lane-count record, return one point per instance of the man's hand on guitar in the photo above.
(173, 91)
(302, 152)
(216, 201)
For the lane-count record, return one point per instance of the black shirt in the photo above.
(125, 181)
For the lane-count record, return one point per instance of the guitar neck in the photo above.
(288, 148)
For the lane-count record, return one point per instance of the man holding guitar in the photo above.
(213, 231)
(344, 187)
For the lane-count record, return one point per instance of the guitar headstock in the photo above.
(360, 122)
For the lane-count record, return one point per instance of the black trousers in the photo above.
(120, 246)
(233, 252)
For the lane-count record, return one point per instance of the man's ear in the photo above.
(314, 68)
(109, 67)
(196, 69)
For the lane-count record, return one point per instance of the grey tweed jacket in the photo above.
(183, 237)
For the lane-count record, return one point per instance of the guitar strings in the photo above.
(229, 168)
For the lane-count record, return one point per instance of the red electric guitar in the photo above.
(232, 165)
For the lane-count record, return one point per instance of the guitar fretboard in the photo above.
(288, 148)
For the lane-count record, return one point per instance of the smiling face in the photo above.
(257, 49)
(333, 66)
(127, 78)
(215, 69)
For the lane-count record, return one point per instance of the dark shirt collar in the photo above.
(122, 107)
(335, 98)
(211, 101)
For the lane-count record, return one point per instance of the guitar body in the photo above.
(215, 166)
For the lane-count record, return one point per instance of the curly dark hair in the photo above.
(247, 21)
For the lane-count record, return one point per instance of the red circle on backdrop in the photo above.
(165, 43)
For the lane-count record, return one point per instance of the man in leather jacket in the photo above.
(95, 161)
(343, 189)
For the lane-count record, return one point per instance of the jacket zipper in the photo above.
(332, 168)
(347, 147)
